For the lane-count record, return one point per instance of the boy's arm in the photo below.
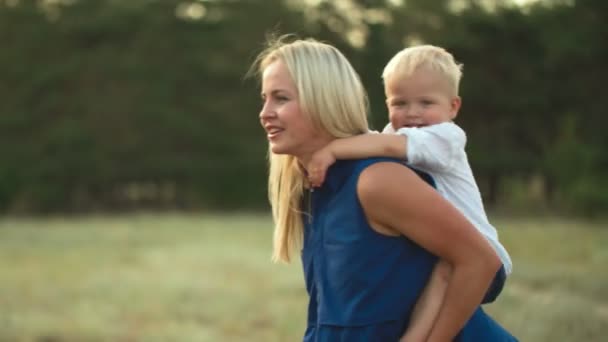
(356, 147)
(428, 304)
(434, 148)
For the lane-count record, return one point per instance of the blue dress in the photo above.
(363, 285)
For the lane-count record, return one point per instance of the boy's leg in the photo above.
(428, 305)
(496, 287)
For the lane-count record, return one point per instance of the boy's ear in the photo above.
(455, 106)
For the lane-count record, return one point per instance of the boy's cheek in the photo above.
(393, 118)
(394, 115)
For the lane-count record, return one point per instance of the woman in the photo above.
(370, 235)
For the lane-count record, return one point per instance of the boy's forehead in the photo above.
(418, 81)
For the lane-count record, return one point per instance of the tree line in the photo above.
(121, 105)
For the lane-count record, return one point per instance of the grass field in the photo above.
(208, 278)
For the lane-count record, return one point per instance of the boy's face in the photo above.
(421, 99)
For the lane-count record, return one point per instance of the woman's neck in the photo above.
(305, 157)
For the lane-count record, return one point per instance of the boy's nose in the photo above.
(412, 111)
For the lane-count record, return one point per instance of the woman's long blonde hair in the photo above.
(332, 95)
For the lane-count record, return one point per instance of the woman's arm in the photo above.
(396, 200)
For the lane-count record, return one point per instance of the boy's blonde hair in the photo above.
(332, 95)
(408, 60)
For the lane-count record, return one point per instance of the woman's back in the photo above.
(362, 284)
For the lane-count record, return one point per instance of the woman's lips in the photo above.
(273, 132)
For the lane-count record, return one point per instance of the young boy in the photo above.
(421, 87)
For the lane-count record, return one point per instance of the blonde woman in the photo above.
(368, 247)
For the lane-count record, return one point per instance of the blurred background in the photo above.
(133, 167)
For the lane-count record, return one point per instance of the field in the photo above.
(178, 277)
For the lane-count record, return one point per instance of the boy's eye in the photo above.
(427, 102)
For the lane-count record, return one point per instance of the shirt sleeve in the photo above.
(435, 147)
(389, 129)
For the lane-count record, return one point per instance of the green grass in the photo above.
(209, 278)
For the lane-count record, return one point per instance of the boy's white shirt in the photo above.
(440, 151)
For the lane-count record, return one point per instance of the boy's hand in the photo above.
(318, 165)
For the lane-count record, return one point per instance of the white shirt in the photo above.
(439, 150)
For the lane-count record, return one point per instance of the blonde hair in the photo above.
(332, 96)
(408, 60)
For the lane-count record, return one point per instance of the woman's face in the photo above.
(288, 130)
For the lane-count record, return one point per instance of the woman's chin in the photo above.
(278, 149)
(285, 147)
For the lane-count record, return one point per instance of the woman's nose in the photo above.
(266, 112)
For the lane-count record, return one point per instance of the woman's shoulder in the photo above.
(379, 176)
(361, 164)
(387, 168)
(348, 171)
(375, 171)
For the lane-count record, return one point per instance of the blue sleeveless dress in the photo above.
(363, 285)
